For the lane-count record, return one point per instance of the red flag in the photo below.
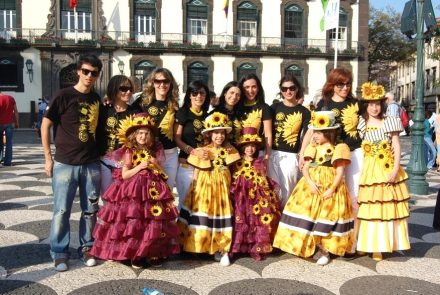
(73, 3)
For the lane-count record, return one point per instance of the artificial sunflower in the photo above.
(256, 209)
(154, 194)
(384, 145)
(266, 218)
(239, 164)
(367, 90)
(222, 153)
(381, 156)
(329, 151)
(156, 210)
(379, 91)
(247, 175)
(263, 203)
(252, 193)
(388, 165)
(217, 163)
(367, 147)
(247, 164)
(321, 121)
(320, 159)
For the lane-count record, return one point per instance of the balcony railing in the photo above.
(178, 41)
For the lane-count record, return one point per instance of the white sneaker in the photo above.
(88, 259)
(224, 261)
(323, 260)
(61, 264)
(217, 256)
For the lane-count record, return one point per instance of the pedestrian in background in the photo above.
(8, 121)
(75, 111)
(430, 151)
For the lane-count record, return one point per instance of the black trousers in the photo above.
(436, 222)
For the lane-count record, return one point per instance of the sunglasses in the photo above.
(125, 88)
(197, 92)
(160, 81)
(291, 88)
(86, 72)
(341, 85)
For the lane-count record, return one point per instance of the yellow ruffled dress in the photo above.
(206, 215)
(383, 207)
(308, 219)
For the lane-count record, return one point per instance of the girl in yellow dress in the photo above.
(383, 195)
(207, 213)
(318, 213)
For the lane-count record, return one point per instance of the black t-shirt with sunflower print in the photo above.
(347, 114)
(192, 128)
(76, 116)
(289, 125)
(164, 119)
(254, 115)
(108, 124)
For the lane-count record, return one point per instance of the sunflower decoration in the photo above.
(368, 148)
(263, 203)
(163, 175)
(372, 91)
(247, 164)
(291, 127)
(280, 116)
(154, 194)
(256, 209)
(384, 145)
(156, 210)
(222, 153)
(166, 126)
(218, 163)
(321, 121)
(140, 156)
(329, 151)
(350, 120)
(388, 165)
(381, 156)
(248, 175)
(132, 123)
(266, 218)
(272, 194)
(253, 120)
(252, 193)
(320, 160)
(239, 164)
(93, 117)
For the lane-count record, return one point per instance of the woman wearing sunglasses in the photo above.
(188, 136)
(160, 99)
(290, 125)
(117, 108)
(228, 105)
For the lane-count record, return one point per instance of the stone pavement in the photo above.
(26, 267)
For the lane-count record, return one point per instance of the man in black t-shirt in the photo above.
(76, 163)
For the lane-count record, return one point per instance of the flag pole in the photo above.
(226, 9)
(75, 17)
(335, 64)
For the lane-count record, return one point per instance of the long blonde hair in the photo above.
(148, 93)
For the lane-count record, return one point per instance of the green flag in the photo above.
(324, 7)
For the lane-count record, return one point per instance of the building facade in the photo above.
(196, 39)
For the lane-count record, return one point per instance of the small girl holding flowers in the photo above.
(318, 213)
(255, 198)
(383, 195)
(207, 213)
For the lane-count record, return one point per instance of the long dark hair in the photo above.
(114, 84)
(229, 85)
(291, 78)
(196, 86)
(260, 95)
(364, 113)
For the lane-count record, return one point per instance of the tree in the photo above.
(387, 45)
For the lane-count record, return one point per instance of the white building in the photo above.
(195, 39)
(403, 80)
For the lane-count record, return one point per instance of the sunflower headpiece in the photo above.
(323, 120)
(372, 91)
(249, 135)
(133, 123)
(216, 121)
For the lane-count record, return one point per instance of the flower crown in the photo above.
(372, 91)
(323, 120)
(133, 123)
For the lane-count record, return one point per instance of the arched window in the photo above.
(197, 17)
(143, 69)
(247, 17)
(145, 17)
(198, 71)
(8, 15)
(296, 71)
(294, 22)
(68, 76)
(343, 23)
(245, 69)
(82, 19)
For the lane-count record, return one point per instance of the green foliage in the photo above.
(386, 44)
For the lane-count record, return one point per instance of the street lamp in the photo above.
(410, 25)
(121, 66)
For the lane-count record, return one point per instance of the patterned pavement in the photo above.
(26, 267)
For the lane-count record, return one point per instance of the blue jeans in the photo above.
(430, 152)
(6, 154)
(66, 180)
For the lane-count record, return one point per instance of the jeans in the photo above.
(170, 166)
(66, 180)
(430, 152)
(6, 154)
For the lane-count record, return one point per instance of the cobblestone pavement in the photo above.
(26, 267)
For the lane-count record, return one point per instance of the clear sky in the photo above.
(398, 5)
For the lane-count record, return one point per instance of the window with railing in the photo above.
(198, 71)
(145, 17)
(7, 14)
(247, 17)
(245, 69)
(342, 30)
(81, 19)
(197, 17)
(143, 69)
(428, 79)
(297, 72)
(293, 22)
